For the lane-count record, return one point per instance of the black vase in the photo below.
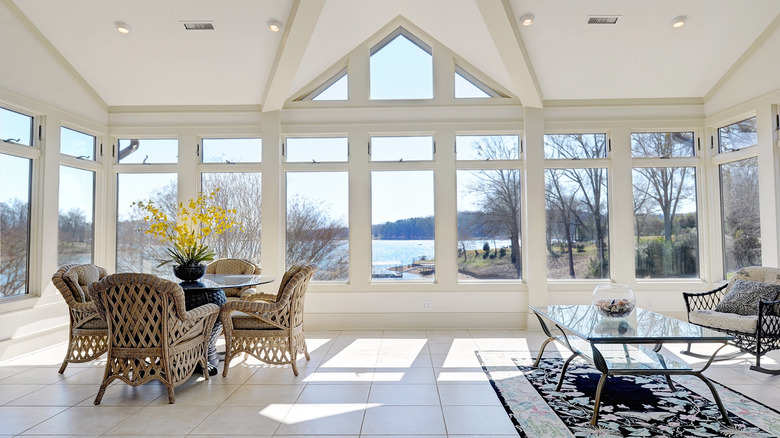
(189, 272)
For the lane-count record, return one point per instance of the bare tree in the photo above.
(14, 239)
(592, 182)
(666, 186)
(561, 209)
(242, 192)
(313, 236)
(499, 192)
(741, 221)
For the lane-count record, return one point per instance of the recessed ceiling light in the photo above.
(273, 24)
(678, 21)
(527, 19)
(123, 27)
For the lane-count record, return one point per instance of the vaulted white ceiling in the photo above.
(242, 63)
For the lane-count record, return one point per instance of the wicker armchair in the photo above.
(269, 327)
(88, 333)
(151, 335)
(234, 266)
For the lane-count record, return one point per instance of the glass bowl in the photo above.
(614, 300)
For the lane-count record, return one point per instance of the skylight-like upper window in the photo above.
(401, 67)
(469, 87)
(335, 88)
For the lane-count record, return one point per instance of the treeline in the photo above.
(471, 225)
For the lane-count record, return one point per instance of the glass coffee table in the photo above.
(628, 346)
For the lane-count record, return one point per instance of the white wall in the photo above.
(753, 76)
(31, 67)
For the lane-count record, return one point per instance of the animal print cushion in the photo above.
(744, 295)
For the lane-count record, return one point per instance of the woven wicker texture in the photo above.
(151, 335)
(269, 329)
(88, 333)
(234, 266)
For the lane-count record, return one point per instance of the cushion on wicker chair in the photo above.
(78, 278)
(725, 321)
(744, 295)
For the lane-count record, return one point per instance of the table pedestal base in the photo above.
(200, 297)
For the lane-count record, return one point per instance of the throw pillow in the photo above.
(744, 295)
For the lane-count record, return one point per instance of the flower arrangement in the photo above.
(195, 221)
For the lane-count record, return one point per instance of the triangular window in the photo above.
(469, 87)
(401, 67)
(335, 88)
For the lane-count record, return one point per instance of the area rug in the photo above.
(637, 406)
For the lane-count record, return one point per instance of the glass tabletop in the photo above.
(641, 326)
(219, 281)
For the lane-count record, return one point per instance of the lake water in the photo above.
(389, 253)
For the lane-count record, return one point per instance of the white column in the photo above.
(534, 256)
(768, 185)
(273, 253)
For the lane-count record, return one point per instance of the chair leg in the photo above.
(63, 366)
(100, 393)
(757, 367)
(171, 396)
(306, 351)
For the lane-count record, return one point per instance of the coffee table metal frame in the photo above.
(571, 333)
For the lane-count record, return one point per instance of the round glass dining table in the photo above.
(209, 289)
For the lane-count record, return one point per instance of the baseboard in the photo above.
(413, 321)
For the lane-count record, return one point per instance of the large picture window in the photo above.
(318, 222)
(402, 245)
(489, 224)
(576, 207)
(137, 251)
(15, 173)
(741, 221)
(665, 205)
(241, 191)
(76, 216)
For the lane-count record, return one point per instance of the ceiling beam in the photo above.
(297, 34)
(501, 23)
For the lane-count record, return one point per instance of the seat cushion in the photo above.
(744, 295)
(243, 321)
(725, 321)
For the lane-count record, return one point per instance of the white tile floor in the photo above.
(370, 384)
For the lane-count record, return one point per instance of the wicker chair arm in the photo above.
(88, 307)
(201, 312)
(703, 300)
(259, 296)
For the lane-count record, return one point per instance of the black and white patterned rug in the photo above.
(637, 406)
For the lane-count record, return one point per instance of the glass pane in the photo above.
(16, 127)
(77, 144)
(574, 146)
(577, 223)
(738, 135)
(137, 251)
(337, 91)
(489, 224)
(320, 150)
(401, 148)
(402, 230)
(148, 151)
(740, 215)
(401, 70)
(465, 89)
(232, 150)
(76, 225)
(242, 192)
(317, 222)
(662, 144)
(665, 222)
(487, 147)
(14, 224)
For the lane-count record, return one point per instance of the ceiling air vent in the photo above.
(603, 19)
(198, 25)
